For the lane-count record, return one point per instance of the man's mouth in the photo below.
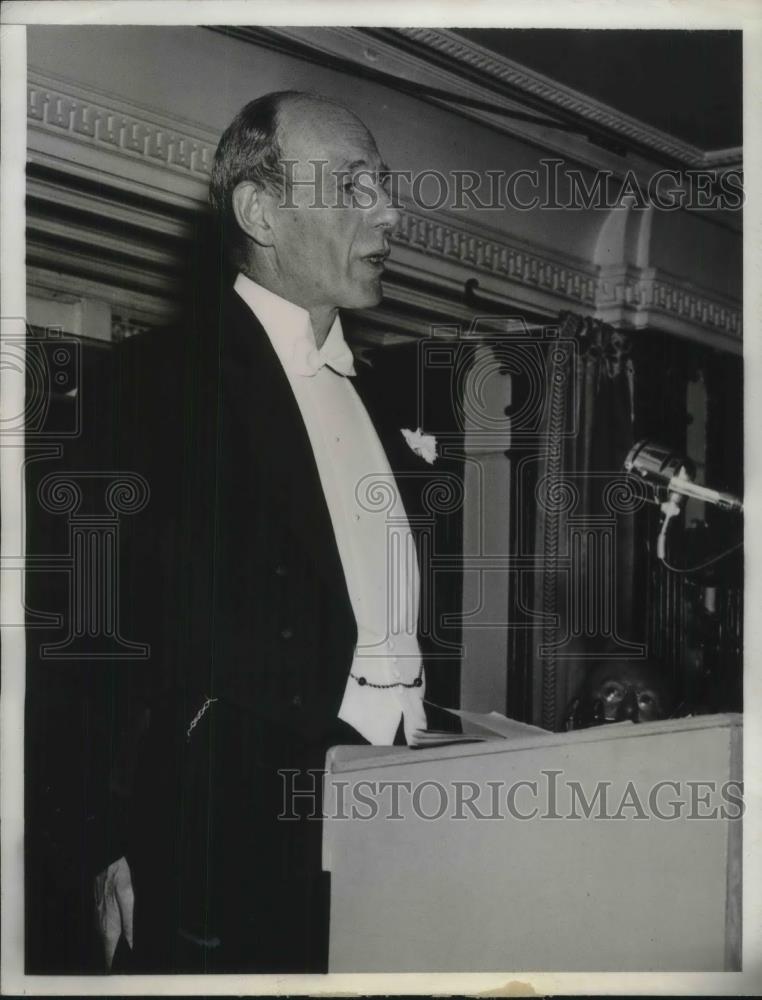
(377, 259)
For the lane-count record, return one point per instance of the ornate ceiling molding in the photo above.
(486, 252)
(60, 110)
(491, 66)
(439, 57)
(84, 116)
(128, 248)
(650, 297)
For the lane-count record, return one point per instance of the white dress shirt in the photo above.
(372, 532)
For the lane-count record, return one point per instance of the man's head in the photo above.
(295, 225)
(617, 690)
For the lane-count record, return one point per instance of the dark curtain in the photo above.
(584, 513)
(694, 620)
(70, 712)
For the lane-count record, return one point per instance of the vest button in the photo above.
(281, 570)
(287, 633)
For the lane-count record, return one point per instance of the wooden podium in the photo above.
(615, 889)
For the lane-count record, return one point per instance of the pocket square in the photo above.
(424, 445)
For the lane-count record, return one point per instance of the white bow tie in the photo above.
(308, 360)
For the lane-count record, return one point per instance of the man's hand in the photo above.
(114, 906)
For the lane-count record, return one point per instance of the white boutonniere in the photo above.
(424, 445)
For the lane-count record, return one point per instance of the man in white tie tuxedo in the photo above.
(280, 623)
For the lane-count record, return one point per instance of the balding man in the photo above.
(278, 627)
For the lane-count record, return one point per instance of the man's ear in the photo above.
(252, 208)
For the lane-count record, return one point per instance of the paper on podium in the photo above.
(477, 727)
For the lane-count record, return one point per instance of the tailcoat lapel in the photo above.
(257, 393)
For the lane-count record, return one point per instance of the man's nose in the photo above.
(629, 709)
(387, 215)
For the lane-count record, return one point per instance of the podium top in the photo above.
(341, 759)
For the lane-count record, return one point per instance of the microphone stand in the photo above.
(670, 508)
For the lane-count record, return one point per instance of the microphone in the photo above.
(662, 467)
(715, 497)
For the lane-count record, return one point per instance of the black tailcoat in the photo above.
(234, 577)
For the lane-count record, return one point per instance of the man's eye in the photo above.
(385, 180)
